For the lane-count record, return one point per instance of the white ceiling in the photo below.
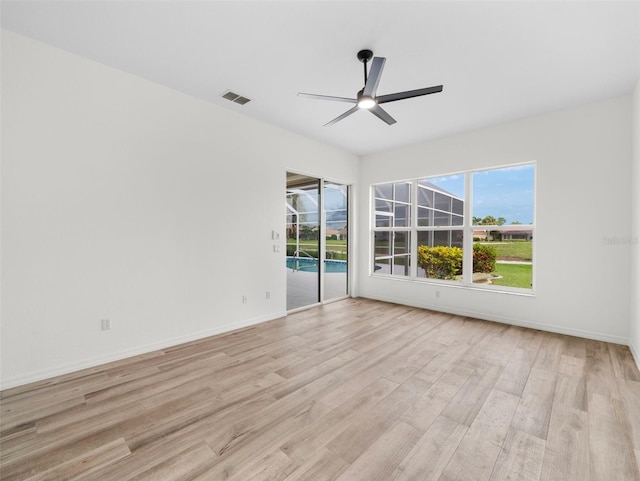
(498, 61)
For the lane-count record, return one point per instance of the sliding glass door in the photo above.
(336, 249)
(303, 241)
(317, 240)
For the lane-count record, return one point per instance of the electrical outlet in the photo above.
(244, 299)
(268, 295)
(105, 324)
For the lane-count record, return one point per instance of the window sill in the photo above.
(513, 291)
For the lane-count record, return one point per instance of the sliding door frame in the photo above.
(322, 244)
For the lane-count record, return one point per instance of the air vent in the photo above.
(234, 97)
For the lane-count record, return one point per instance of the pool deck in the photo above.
(302, 287)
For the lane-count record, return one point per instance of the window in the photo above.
(472, 228)
(392, 228)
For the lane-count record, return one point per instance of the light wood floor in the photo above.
(357, 390)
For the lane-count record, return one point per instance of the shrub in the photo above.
(484, 258)
(440, 262)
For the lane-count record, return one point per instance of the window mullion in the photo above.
(323, 239)
(413, 233)
(467, 238)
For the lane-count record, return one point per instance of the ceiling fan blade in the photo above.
(381, 99)
(382, 114)
(340, 117)
(327, 97)
(375, 72)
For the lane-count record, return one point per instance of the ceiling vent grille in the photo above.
(234, 97)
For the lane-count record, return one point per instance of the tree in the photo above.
(490, 220)
(307, 233)
(476, 220)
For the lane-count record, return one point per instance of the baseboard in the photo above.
(635, 354)
(136, 351)
(597, 336)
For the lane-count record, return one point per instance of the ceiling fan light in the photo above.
(366, 102)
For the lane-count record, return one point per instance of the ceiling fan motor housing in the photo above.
(365, 101)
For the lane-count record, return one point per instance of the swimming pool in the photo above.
(311, 265)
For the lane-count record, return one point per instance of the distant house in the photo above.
(505, 235)
(525, 234)
(482, 234)
(340, 234)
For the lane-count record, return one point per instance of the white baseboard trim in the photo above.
(43, 374)
(635, 354)
(597, 336)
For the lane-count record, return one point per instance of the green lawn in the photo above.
(513, 275)
(512, 251)
(336, 249)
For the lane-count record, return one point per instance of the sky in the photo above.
(506, 192)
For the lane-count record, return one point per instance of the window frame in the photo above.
(467, 229)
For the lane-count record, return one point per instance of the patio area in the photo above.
(302, 287)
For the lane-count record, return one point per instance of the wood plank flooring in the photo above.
(357, 390)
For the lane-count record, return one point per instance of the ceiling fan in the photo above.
(366, 98)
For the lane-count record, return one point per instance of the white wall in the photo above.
(635, 238)
(125, 200)
(583, 160)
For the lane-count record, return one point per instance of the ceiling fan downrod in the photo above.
(364, 56)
